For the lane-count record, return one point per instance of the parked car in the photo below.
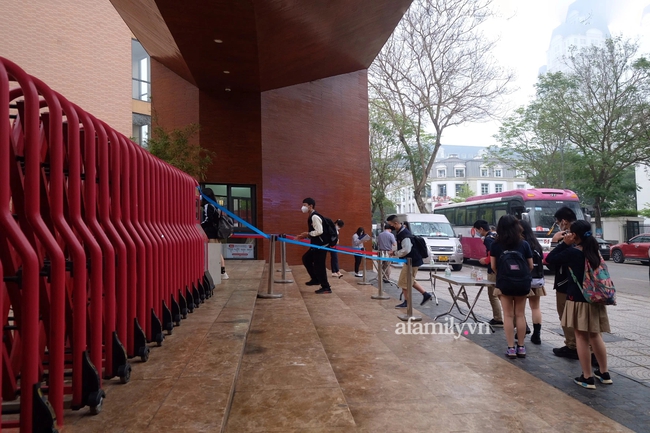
(634, 249)
(604, 248)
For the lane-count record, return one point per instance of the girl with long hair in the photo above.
(537, 287)
(513, 304)
(588, 320)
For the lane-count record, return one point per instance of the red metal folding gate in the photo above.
(100, 253)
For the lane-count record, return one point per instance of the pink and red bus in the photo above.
(537, 206)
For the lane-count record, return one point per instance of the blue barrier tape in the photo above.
(232, 215)
(291, 241)
(305, 244)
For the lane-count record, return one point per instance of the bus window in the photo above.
(451, 216)
(486, 212)
(460, 217)
(500, 210)
(472, 214)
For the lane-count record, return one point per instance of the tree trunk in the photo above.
(597, 214)
(422, 206)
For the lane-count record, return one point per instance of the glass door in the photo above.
(240, 200)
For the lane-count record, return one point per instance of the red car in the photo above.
(634, 249)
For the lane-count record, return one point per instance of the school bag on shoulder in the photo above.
(597, 286)
(225, 226)
(330, 235)
(537, 273)
(513, 274)
(420, 245)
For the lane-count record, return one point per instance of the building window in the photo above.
(521, 186)
(442, 190)
(459, 172)
(442, 172)
(141, 125)
(498, 172)
(520, 173)
(141, 74)
(484, 172)
(459, 189)
(485, 188)
(498, 187)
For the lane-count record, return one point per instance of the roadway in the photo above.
(630, 277)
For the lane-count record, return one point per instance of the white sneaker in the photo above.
(334, 274)
(224, 276)
(358, 275)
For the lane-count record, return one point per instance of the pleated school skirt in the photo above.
(584, 316)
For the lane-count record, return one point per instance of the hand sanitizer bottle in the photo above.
(447, 271)
(479, 275)
(473, 274)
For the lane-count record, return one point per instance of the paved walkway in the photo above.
(628, 349)
(328, 363)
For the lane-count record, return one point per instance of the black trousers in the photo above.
(357, 262)
(314, 261)
(335, 261)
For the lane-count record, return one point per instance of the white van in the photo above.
(441, 239)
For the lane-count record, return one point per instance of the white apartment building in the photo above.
(585, 25)
(449, 175)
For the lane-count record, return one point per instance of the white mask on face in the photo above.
(304, 209)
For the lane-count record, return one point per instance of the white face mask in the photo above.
(304, 209)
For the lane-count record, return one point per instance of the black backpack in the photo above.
(225, 226)
(513, 274)
(538, 265)
(420, 246)
(330, 236)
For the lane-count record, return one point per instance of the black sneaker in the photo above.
(312, 283)
(603, 377)
(402, 305)
(387, 281)
(497, 323)
(585, 383)
(323, 290)
(527, 330)
(565, 352)
(426, 296)
(594, 361)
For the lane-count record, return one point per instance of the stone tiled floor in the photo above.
(329, 363)
(627, 348)
(333, 363)
(187, 384)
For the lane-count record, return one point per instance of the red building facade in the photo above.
(280, 91)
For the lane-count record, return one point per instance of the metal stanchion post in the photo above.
(283, 254)
(283, 259)
(270, 293)
(380, 281)
(409, 302)
(364, 282)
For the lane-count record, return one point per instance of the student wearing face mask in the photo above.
(314, 259)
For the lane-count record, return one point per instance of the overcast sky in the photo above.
(524, 33)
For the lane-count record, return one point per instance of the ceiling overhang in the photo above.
(261, 44)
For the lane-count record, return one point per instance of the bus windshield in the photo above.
(541, 213)
(432, 229)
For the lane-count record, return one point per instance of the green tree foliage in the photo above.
(387, 163)
(175, 148)
(591, 125)
(464, 193)
(437, 70)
